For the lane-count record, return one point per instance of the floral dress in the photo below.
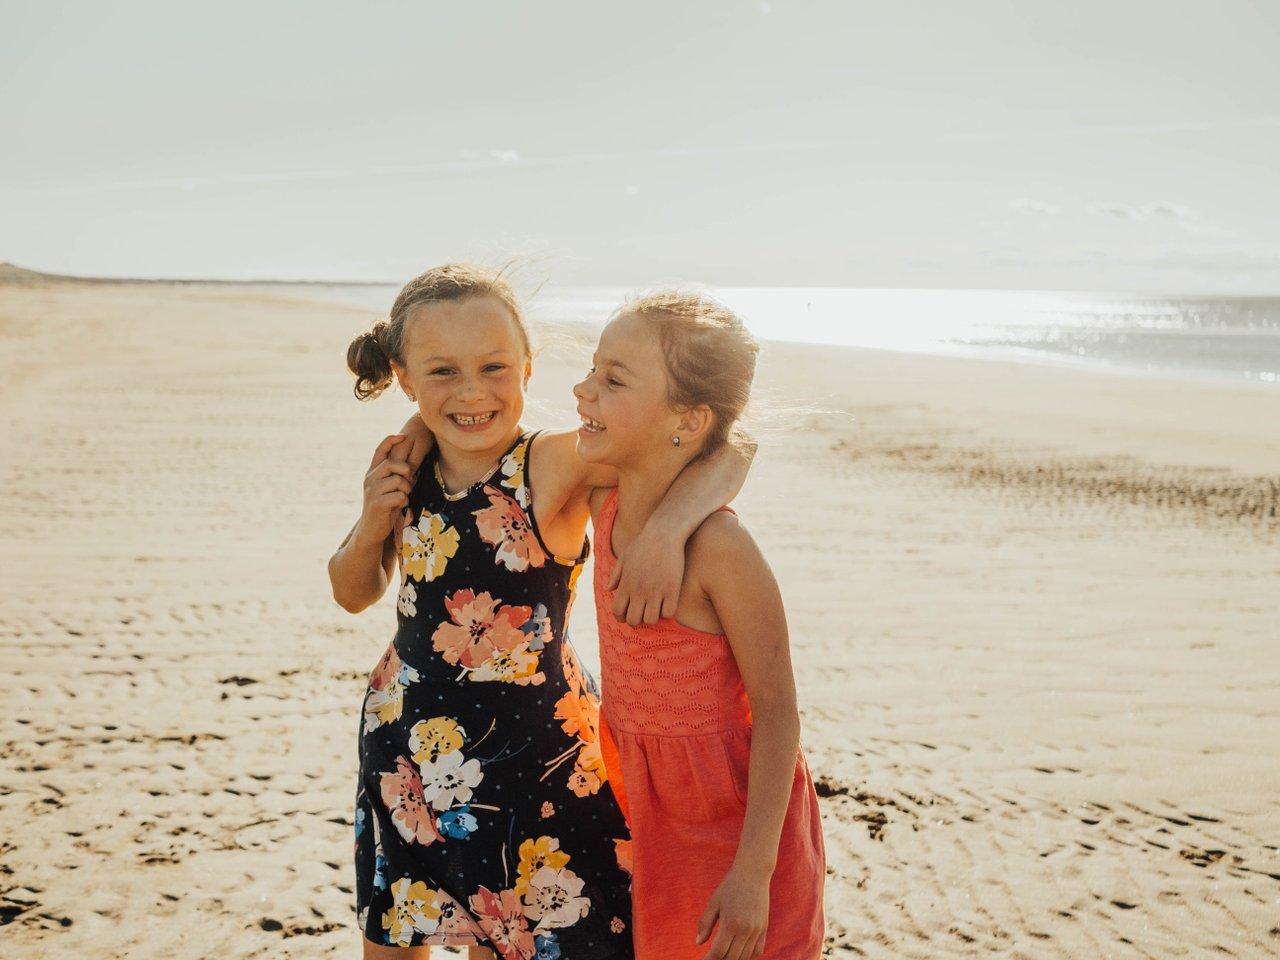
(483, 814)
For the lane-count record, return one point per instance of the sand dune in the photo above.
(1034, 614)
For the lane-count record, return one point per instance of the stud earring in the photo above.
(675, 441)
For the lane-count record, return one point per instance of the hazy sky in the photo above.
(1089, 145)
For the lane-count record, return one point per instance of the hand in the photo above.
(386, 489)
(422, 441)
(647, 578)
(739, 913)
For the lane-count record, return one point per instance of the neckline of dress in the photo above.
(454, 497)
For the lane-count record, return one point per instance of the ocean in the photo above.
(1220, 338)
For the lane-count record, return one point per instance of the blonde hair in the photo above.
(369, 356)
(710, 357)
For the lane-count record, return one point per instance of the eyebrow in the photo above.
(618, 363)
(491, 353)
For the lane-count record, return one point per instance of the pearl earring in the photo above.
(675, 441)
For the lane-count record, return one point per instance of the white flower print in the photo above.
(554, 898)
(449, 779)
(408, 597)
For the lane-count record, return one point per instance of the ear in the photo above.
(402, 377)
(695, 423)
(528, 372)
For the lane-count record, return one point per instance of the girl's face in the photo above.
(466, 367)
(626, 416)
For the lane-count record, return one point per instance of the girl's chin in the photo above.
(590, 448)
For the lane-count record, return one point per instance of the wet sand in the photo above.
(1035, 615)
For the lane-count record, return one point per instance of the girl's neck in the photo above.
(461, 468)
(640, 491)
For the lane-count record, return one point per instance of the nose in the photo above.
(469, 389)
(580, 388)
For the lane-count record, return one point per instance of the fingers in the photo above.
(396, 466)
(393, 482)
(387, 494)
(384, 449)
(621, 597)
(652, 611)
(388, 469)
(669, 604)
(720, 946)
(707, 920)
(401, 449)
(394, 500)
(417, 453)
(740, 948)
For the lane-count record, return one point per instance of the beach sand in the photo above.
(1035, 617)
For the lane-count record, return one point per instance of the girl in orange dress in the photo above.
(699, 728)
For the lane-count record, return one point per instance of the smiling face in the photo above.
(627, 417)
(466, 365)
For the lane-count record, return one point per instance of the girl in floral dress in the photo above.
(483, 813)
(699, 727)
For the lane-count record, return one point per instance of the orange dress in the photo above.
(675, 732)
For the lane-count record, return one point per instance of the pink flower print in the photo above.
(402, 793)
(504, 525)
(616, 925)
(384, 701)
(387, 670)
(481, 627)
(454, 917)
(501, 916)
(548, 809)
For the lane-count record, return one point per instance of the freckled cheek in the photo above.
(510, 390)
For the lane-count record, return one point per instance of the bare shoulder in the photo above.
(555, 454)
(554, 463)
(723, 543)
(556, 444)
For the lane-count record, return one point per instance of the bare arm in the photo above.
(737, 579)
(422, 441)
(648, 574)
(361, 568)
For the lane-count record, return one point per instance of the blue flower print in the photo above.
(546, 947)
(457, 823)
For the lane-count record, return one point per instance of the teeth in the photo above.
(467, 421)
(592, 425)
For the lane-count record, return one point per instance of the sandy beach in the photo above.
(1035, 618)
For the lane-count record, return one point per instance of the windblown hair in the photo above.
(710, 355)
(370, 354)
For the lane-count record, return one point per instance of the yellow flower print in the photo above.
(414, 910)
(536, 854)
(433, 738)
(518, 666)
(425, 547)
(513, 475)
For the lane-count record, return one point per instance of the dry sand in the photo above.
(1034, 615)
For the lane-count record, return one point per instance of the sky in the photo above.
(1119, 145)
